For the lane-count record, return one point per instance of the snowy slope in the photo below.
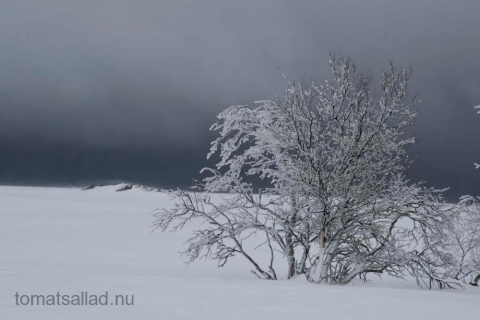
(71, 241)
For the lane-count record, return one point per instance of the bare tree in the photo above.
(464, 241)
(234, 217)
(336, 159)
(230, 220)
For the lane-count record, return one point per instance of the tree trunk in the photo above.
(303, 262)
(328, 256)
(289, 249)
(290, 257)
(475, 281)
(321, 258)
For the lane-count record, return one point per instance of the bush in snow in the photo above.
(464, 242)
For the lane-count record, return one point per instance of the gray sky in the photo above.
(99, 90)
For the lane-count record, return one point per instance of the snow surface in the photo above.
(68, 241)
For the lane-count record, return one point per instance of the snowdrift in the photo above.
(69, 241)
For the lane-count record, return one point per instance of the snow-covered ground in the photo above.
(71, 241)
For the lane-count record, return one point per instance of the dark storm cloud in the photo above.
(94, 90)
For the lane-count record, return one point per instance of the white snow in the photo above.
(68, 241)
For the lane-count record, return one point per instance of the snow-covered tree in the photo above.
(230, 221)
(464, 242)
(339, 201)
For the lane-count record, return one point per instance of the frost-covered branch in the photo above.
(335, 156)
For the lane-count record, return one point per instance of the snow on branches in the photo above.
(464, 241)
(339, 205)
